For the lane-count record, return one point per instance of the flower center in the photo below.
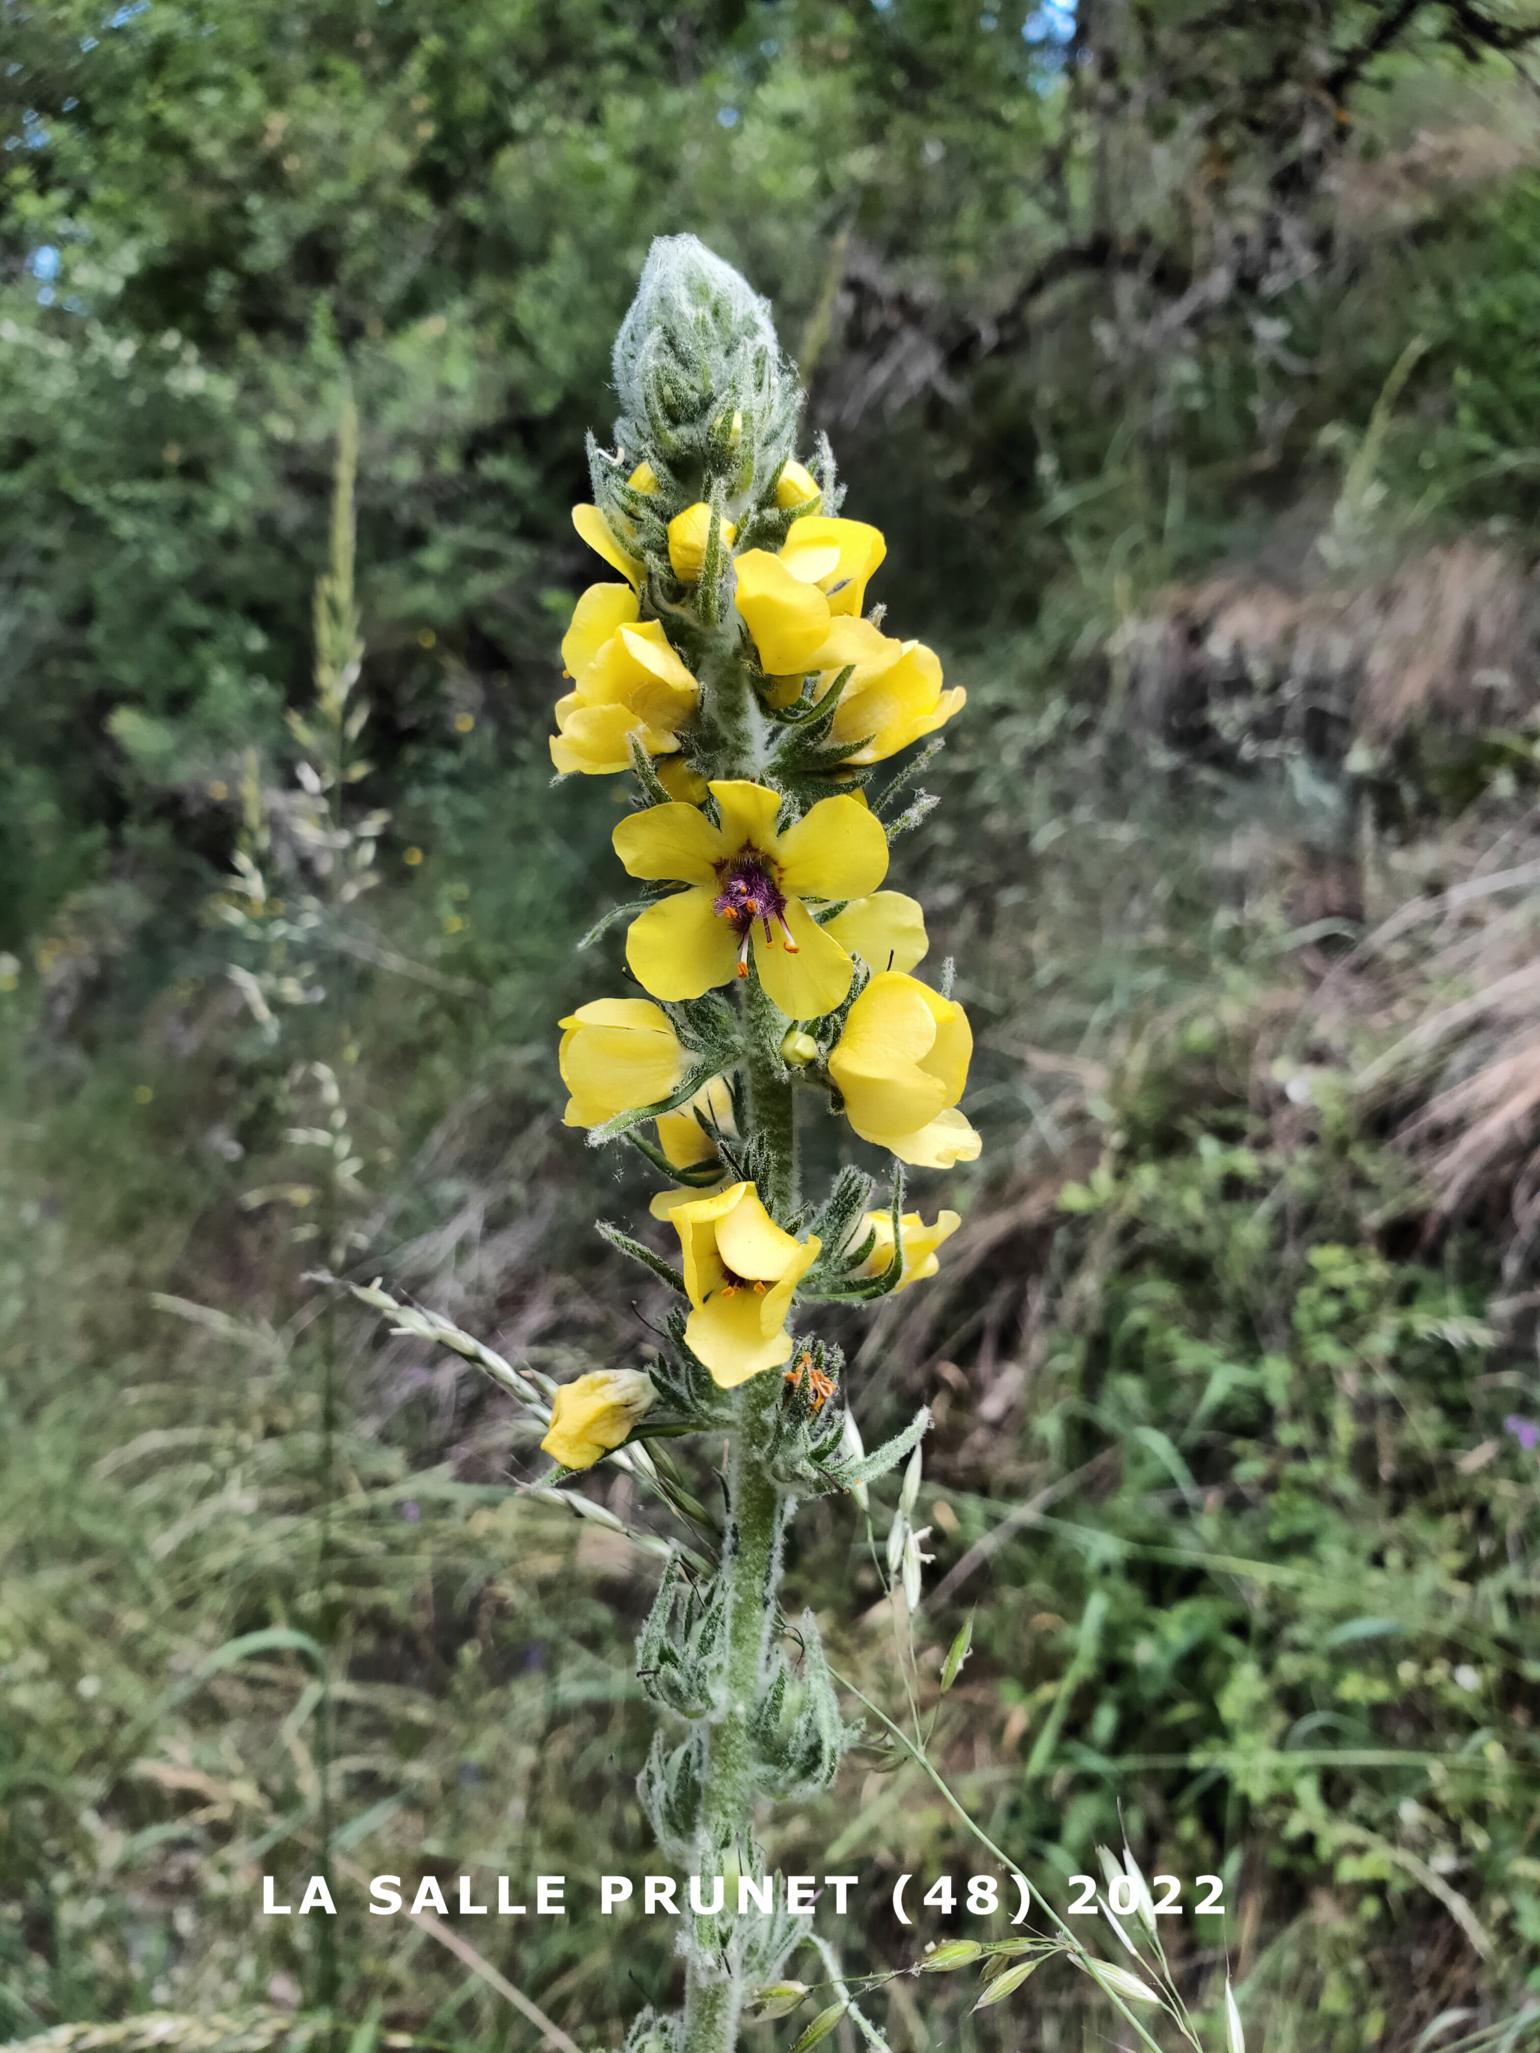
(732, 1283)
(748, 896)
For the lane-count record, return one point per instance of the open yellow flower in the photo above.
(595, 530)
(596, 1414)
(901, 1064)
(893, 695)
(627, 679)
(796, 486)
(741, 1271)
(688, 534)
(787, 618)
(837, 556)
(745, 886)
(616, 1055)
(917, 1241)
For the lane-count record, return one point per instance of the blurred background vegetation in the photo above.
(1186, 351)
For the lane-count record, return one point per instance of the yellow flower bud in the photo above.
(688, 533)
(796, 486)
(593, 1416)
(799, 1049)
(643, 479)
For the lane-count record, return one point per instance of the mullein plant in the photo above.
(732, 669)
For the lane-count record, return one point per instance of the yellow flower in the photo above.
(746, 884)
(464, 722)
(787, 618)
(796, 486)
(643, 479)
(627, 680)
(596, 1414)
(688, 534)
(893, 695)
(595, 530)
(886, 930)
(412, 857)
(901, 1064)
(917, 1241)
(741, 1271)
(838, 556)
(616, 1055)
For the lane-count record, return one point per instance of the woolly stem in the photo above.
(751, 1568)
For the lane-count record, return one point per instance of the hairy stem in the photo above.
(751, 1566)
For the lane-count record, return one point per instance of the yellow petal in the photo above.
(669, 844)
(643, 479)
(941, 1143)
(878, 1062)
(857, 645)
(750, 1242)
(952, 1049)
(688, 534)
(811, 982)
(748, 814)
(889, 706)
(682, 781)
(887, 930)
(663, 1204)
(616, 1055)
(679, 948)
(836, 850)
(695, 1222)
(728, 1337)
(796, 486)
(595, 530)
(838, 555)
(918, 1242)
(787, 619)
(650, 646)
(598, 613)
(595, 739)
(637, 667)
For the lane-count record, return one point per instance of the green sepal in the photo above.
(634, 1248)
(629, 910)
(846, 1475)
(652, 789)
(924, 805)
(701, 1177)
(902, 779)
(695, 1079)
(670, 1787)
